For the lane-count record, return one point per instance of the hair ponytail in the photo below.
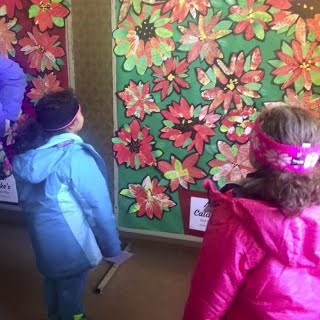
(30, 135)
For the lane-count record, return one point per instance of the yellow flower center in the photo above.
(306, 9)
(305, 6)
(45, 7)
(203, 36)
(183, 172)
(250, 16)
(243, 124)
(306, 65)
(149, 196)
(232, 84)
(41, 49)
(171, 77)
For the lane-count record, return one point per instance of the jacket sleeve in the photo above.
(91, 189)
(12, 88)
(228, 253)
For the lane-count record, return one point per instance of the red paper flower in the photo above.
(11, 5)
(238, 124)
(151, 199)
(251, 17)
(144, 40)
(188, 127)
(181, 173)
(201, 39)
(138, 100)
(180, 9)
(7, 37)
(305, 100)
(237, 82)
(298, 64)
(46, 13)
(133, 145)
(42, 86)
(42, 50)
(231, 164)
(170, 76)
(296, 14)
(314, 26)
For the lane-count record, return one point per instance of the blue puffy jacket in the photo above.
(63, 193)
(12, 87)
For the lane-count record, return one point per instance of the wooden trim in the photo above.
(115, 113)
(69, 51)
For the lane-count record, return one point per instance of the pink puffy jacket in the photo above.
(255, 264)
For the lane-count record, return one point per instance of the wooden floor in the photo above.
(153, 285)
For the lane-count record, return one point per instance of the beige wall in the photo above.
(92, 51)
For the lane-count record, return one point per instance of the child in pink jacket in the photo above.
(260, 258)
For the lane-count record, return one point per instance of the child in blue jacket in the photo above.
(62, 188)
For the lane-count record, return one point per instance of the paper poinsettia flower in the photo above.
(133, 145)
(237, 82)
(298, 64)
(144, 39)
(138, 100)
(170, 76)
(47, 13)
(200, 40)
(231, 164)
(136, 5)
(43, 50)
(180, 9)
(237, 125)
(7, 37)
(11, 5)
(251, 18)
(188, 127)
(304, 99)
(42, 86)
(181, 173)
(151, 199)
(295, 17)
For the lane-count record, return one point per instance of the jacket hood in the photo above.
(294, 241)
(36, 165)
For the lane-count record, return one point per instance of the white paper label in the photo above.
(8, 190)
(198, 218)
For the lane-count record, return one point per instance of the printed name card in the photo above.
(198, 217)
(8, 190)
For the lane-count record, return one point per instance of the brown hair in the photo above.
(292, 192)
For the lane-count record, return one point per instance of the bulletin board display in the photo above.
(191, 77)
(34, 33)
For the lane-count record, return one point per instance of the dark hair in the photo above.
(292, 192)
(54, 110)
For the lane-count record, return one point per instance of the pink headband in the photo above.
(67, 125)
(299, 159)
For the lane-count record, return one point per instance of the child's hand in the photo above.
(208, 208)
(121, 258)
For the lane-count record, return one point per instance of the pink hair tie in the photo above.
(299, 159)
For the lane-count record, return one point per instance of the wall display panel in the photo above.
(191, 77)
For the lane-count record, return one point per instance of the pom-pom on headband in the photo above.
(298, 159)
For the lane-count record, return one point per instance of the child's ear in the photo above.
(72, 126)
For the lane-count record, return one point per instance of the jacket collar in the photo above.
(60, 139)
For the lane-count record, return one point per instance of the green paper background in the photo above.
(232, 43)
